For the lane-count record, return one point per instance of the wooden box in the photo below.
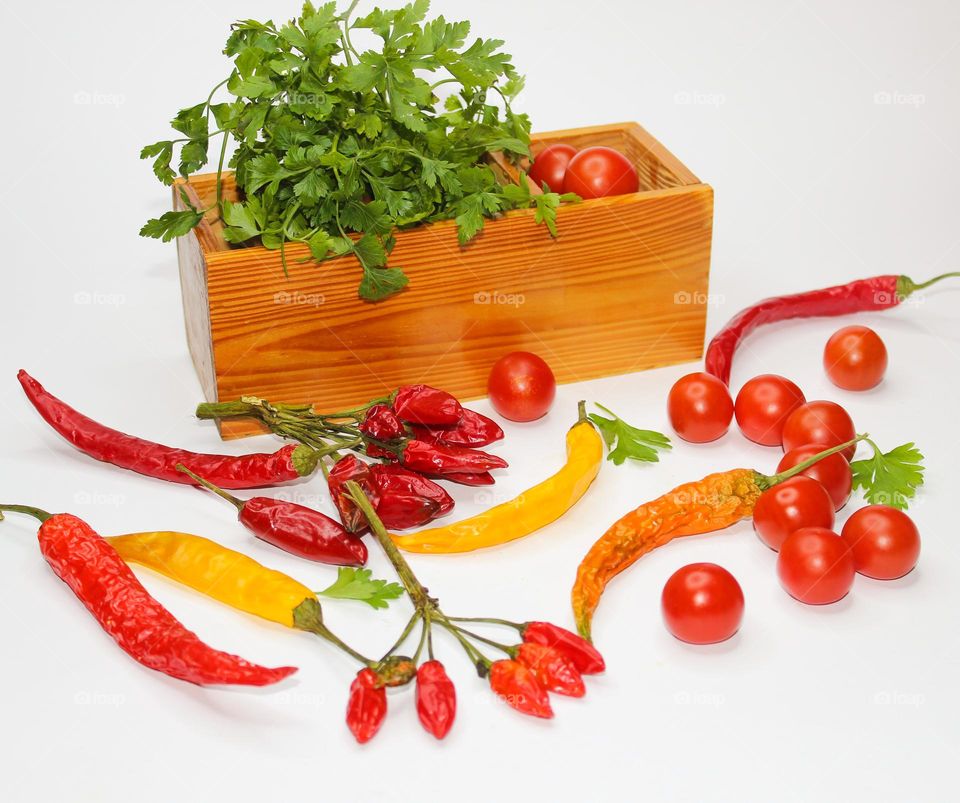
(623, 288)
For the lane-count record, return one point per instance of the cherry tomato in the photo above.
(819, 422)
(702, 603)
(700, 407)
(763, 405)
(596, 172)
(521, 386)
(855, 358)
(799, 502)
(833, 472)
(885, 542)
(550, 165)
(815, 566)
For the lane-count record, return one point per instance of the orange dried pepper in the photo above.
(713, 503)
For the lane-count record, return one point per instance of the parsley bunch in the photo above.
(333, 142)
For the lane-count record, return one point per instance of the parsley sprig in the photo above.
(626, 442)
(337, 147)
(356, 584)
(889, 478)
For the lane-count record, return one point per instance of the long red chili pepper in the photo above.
(875, 293)
(142, 627)
(297, 529)
(154, 460)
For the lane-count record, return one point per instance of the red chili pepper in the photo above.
(297, 529)
(519, 688)
(345, 469)
(875, 293)
(154, 460)
(367, 705)
(382, 424)
(407, 499)
(142, 627)
(422, 404)
(477, 479)
(581, 653)
(473, 430)
(436, 699)
(552, 669)
(435, 459)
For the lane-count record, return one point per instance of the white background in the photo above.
(781, 107)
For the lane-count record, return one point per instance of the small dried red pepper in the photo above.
(584, 656)
(473, 430)
(422, 404)
(366, 706)
(382, 424)
(435, 459)
(875, 293)
(478, 479)
(139, 624)
(519, 688)
(297, 529)
(436, 698)
(552, 669)
(158, 461)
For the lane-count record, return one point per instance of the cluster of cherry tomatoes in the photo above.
(703, 603)
(590, 173)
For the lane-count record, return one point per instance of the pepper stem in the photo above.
(769, 481)
(237, 503)
(906, 285)
(37, 513)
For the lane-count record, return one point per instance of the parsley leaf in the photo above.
(356, 584)
(626, 442)
(330, 139)
(890, 478)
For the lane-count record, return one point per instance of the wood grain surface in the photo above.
(621, 289)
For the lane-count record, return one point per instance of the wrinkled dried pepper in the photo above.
(533, 509)
(436, 698)
(139, 624)
(711, 504)
(158, 461)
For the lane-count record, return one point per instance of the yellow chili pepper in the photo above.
(221, 573)
(533, 509)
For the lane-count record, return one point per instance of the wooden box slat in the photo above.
(621, 289)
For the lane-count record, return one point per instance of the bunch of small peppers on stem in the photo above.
(547, 659)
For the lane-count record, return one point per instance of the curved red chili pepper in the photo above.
(139, 624)
(436, 699)
(585, 657)
(875, 293)
(477, 479)
(297, 529)
(552, 669)
(519, 688)
(158, 461)
(366, 706)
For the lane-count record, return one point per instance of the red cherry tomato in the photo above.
(597, 172)
(791, 505)
(763, 405)
(855, 358)
(815, 566)
(884, 541)
(702, 603)
(700, 407)
(833, 472)
(521, 386)
(819, 422)
(550, 165)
